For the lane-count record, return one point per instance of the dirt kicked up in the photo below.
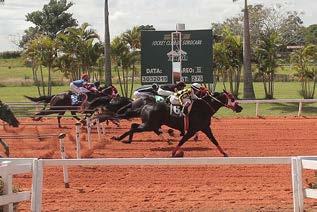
(173, 188)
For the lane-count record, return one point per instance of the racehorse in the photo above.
(7, 116)
(154, 116)
(60, 103)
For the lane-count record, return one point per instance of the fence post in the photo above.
(296, 203)
(257, 109)
(88, 132)
(98, 129)
(7, 187)
(63, 156)
(300, 183)
(300, 106)
(37, 185)
(78, 140)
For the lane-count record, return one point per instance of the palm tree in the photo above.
(107, 47)
(132, 38)
(248, 90)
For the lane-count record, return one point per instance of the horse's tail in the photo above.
(44, 99)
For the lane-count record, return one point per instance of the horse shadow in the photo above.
(168, 149)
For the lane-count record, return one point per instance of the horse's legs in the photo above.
(133, 125)
(44, 113)
(5, 147)
(211, 137)
(134, 129)
(161, 134)
(187, 136)
(59, 116)
(74, 115)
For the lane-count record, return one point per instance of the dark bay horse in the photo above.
(7, 116)
(154, 116)
(60, 103)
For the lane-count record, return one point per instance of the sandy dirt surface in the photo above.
(172, 188)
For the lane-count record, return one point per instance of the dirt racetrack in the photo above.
(173, 188)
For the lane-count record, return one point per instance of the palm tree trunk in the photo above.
(132, 80)
(247, 74)
(107, 47)
(120, 81)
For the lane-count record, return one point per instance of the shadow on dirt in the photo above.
(167, 149)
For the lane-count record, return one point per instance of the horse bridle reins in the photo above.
(217, 100)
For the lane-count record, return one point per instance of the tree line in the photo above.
(273, 31)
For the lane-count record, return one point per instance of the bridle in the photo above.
(217, 100)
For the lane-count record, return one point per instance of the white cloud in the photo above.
(123, 14)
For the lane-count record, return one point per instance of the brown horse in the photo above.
(60, 103)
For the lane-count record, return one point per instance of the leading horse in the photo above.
(154, 116)
(7, 116)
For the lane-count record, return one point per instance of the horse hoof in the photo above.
(170, 142)
(115, 138)
(178, 154)
(126, 142)
(196, 138)
(226, 155)
(171, 132)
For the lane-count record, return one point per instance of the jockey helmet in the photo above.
(155, 87)
(85, 76)
(196, 86)
(181, 85)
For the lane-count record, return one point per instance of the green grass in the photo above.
(14, 72)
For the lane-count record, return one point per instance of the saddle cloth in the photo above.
(176, 110)
(76, 99)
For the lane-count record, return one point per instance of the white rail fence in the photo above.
(299, 193)
(258, 102)
(7, 170)
(10, 166)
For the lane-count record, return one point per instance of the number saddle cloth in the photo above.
(77, 99)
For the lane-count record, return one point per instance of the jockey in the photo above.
(185, 97)
(147, 91)
(82, 86)
(170, 89)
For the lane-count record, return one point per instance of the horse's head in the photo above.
(110, 91)
(227, 100)
(7, 115)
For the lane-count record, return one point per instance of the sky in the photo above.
(124, 14)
